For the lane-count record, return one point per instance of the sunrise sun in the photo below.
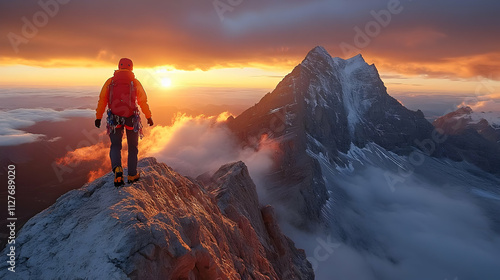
(166, 82)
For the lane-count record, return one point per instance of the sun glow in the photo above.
(166, 82)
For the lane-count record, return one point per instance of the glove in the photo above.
(98, 123)
(150, 121)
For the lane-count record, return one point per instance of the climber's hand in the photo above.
(98, 123)
(150, 121)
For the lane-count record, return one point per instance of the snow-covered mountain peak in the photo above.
(317, 53)
(342, 101)
(320, 61)
(350, 83)
(357, 59)
(355, 62)
(358, 63)
(323, 107)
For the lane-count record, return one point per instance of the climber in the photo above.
(120, 94)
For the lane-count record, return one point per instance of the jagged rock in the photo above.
(323, 106)
(236, 197)
(165, 226)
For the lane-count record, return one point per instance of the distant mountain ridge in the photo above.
(456, 122)
(471, 138)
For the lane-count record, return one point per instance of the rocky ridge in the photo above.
(165, 226)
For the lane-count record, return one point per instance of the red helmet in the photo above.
(126, 63)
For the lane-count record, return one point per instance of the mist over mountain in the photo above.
(360, 169)
(368, 188)
(325, 105)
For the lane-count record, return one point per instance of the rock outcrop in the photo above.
(165, 226)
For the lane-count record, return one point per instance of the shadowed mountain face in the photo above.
(457, 122)
(375, 177)
(474, 137)
(165, 226)
(325, 105)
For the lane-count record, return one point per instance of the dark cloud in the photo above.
(191, 34)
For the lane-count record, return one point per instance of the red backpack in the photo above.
(122, 94)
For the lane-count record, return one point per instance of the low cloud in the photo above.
(191, 146)
(96, 155)
(13, 121)
(431, 226)
(199, 144)
(196, 145)
(484, 103)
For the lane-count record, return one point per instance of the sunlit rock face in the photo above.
(165, 226)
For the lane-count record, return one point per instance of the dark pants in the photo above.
(116, 148)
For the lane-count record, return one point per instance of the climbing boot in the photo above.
(118, 176)
(133, 179)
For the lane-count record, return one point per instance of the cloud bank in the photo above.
(438, 223)
(12, 122)
(191, 146)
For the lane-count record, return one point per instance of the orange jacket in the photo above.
(142, 99)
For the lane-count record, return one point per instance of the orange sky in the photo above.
(442, 47)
